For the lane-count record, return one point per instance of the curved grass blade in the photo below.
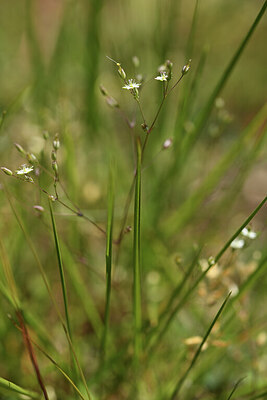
(235, 387)
(203, 274)
(197, 353)
(180, 217)
(5, 384)
(46, 282)
(201, 121)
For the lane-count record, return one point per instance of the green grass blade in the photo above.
(109, 239)
(46, 282)
(201, 121)
(61, 269)
(179, 218)
(11, 291)
(203, 274)
(186, 105)
(5, 384)
(137, 267)
(81, 291)
(92, 50)
(176, 292)
(60, 370)
(234, 388)
(197, 353)
(255, 275)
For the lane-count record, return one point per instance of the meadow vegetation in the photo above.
(133, 200)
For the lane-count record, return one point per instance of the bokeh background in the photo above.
(52, 62)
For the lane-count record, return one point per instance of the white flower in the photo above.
(167, 143)
(237, 243)
(249, 233)
(131, 85)
(162, 77)
(24, 170)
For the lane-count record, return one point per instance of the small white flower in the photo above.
(167, 143)
(249, 233)
(24, 170)
(131, 85)
(237, 244)
(162, 77)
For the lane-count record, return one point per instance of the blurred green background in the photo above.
(52, 62)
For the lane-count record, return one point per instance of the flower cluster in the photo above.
(241, 241)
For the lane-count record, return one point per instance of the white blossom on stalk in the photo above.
(24, 170)
(237, 243)
(163, 77)
(131, 84)
(249, 233)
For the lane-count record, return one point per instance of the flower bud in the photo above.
(55, 167)
(121, 72)
(186, 67)
(31, 158)
(28, 178)
(20, 149)
(54, 155)
(103, 90)
(45, 135)
(56, 142)
(169, 66)
(7, 171)
(39, 208)
(136, 61)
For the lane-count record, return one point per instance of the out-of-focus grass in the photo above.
(195, 195)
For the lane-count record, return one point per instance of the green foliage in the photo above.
(133, 218)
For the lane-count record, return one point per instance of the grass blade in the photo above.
(61, 269)
(203, 274)
(46, 282)
(109, 237)
(174, 295)
(5, 384)
(179, 218)
(81, 291)
(197, 353)
(201, 121)
(234, 388)
(137, 266)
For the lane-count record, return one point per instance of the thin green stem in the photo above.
(46, 282)
(137, 266)
(197, 353)
(203, 274)
(61, 268)
(5, 384)
(108, 259)
(234, 388)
